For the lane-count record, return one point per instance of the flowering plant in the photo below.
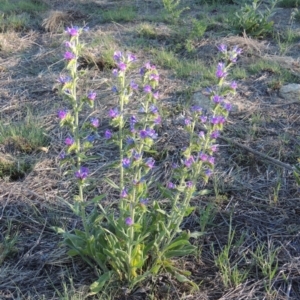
(142, 237)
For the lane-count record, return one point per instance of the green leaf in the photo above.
(58, 230)
(181, 278)
(181, 252)
(98, 198)
(196, 234)
(161, 211)
(189, 210)
(204, 192)
(111, 183)
(97, 286)
(178, 244)
(73, 252)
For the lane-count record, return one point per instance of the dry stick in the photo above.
(270, 159)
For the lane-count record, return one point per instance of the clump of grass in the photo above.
(14, 22)
(17, 15)
(25, 136)
(183, 68)
(147, 30)
(120, 14)
(8, 241)
(29, 6)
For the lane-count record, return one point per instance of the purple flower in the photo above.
(62, 114)
(171, 185)
(196, 108)
(142, 71)
(129, 141)
(92, 96)
(124, 193)
(156, 95)
(237, 50)
(144, 201)
(118, 56)
(147, 89)
(64, 79)
(217, 120)
(126, 163)
(113, 113)
(222, 48)
(189, 161)
(69, 55)
(122, 66)
(90, 138)
(234, 54)
(153, 109)
(69, 44)
(115, 72)
(157, 120)
(82, 173)
(129, 221)
(136, 155)
(233, 85)
(131, 57)
(132, 122)
(211, 160)
(221, 72)
(189, 184)
(94, 122)
(72, 31)
(214, 148)
(133, 85)
(203, 119)
(151, 133)
(203, 156)
(187, 122)
(227, 106)
(150, 162)
(148, 66)
(144, 133)
(108, 134)
(154, 77)
(69, 141)
(62, 155)
(215, 134)
(201, 134)
(208, 172)
(114, 89)
(217, 99)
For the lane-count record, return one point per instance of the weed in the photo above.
(266, 260)
(253, 21)
(206, 216)
(231, 275)
(172, 9)
(142, 239)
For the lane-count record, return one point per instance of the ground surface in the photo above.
(256, 194)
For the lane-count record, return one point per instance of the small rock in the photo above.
(203, 101)
(290, 91)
